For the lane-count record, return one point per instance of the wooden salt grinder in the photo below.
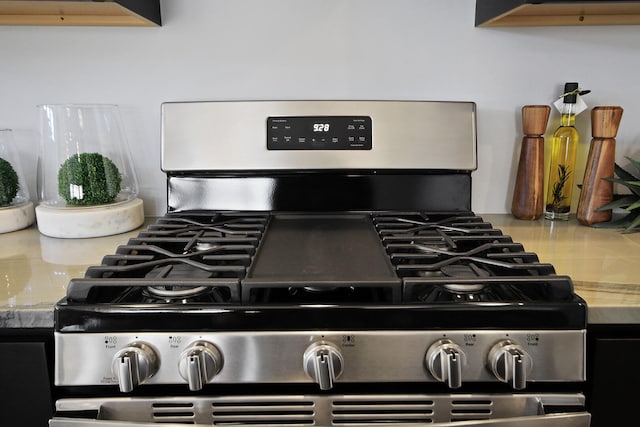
(528, 194)
(597, 192)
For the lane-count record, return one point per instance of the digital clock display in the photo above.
(319, 133)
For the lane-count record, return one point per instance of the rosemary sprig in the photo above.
(558, 187)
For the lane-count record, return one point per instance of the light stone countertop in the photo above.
(604, 265)
(35, 270)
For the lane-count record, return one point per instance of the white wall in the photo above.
(312, 49)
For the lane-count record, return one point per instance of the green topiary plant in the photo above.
(630, 202)
(8, 182)
(88, 179)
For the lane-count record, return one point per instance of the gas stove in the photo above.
(322, 249)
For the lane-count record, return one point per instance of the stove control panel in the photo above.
(455, 357)
(319, 133)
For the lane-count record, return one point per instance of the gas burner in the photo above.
(459, 267)
(440, 270)
(172, 294)
(459, 272)
(205, 247)
(175, 272)
(317, 289)
(464, 288)
(460, 292)
(465, 270)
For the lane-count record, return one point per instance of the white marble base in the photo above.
(98, 221)
(16, 217)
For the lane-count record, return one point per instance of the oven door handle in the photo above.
(578, 419)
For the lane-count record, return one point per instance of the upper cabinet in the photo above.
(81, 12)
(512, 13)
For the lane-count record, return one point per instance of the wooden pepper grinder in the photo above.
(597, 192)
(528, 194)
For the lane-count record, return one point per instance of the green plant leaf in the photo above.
(624, 222)
(618, 223)
(633, 162)
(88, 179)
(618, 203)
(610, 224)
(634, 205)
(623, 180)
(8, 182)
(635, 223)
(631, 202)
(624, 174)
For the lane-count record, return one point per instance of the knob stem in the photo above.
(133, 365)
(510, 363)
(519, 370)
(199, 363)
(324, 368)
(445, 360)
(125, 372)
(454, 369)
(323, 363)
(194, 373)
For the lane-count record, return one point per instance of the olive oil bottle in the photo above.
(562, 167)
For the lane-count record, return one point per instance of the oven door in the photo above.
(363, 410)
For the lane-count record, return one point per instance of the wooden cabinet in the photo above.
(80, 12)
(511, 13)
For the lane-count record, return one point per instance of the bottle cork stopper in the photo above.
(534, 119)
(605, 121)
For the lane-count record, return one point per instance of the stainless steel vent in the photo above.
(173, 412)
(381, 409)
(289, 411)
(467, 410)
(326, 410)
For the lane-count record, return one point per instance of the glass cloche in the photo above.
(16, 208)
(86, 183)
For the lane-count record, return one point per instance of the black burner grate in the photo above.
(350, 258)
(459, 258)
(191, 258)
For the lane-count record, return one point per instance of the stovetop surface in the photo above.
(394, 269)
(348, 258)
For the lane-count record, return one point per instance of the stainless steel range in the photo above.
(320, 264)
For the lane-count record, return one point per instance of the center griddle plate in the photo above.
(324, 250)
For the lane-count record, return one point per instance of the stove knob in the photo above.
(199, 363)
(509, 362)
(133, 365)
(445, 360)
(323, 363)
